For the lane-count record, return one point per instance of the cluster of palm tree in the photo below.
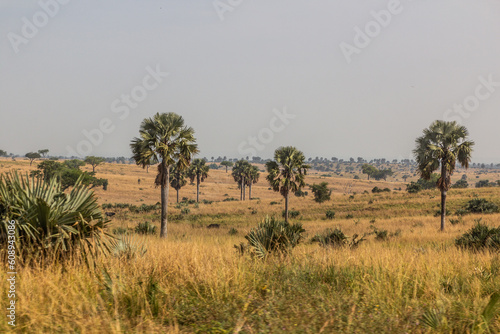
(166, 141)
(245, 174)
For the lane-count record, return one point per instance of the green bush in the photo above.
(233, 231)
(273, 236)
(229, 199)
(333, 238)
(145, 228)
(291, 213)
(461, 184)
(144, 208)
(330, 214)
(480, 205)
(337, 238)
(381, 234)
(377, 190)
(480, 237)
(321, 192)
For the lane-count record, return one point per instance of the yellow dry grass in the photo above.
(206, 287)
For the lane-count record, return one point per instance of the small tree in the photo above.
(177, 179)
(321, 192)
(226, 164)
(252, 177)
(94, 161)
(287, 172)
(199, 171)
(32, 156)
(368, 170)
(3, 153)
(43, 152)
(441, 146)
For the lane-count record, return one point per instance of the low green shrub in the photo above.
(291, 213)
(145, 228)
(480, 205)
(330, 214)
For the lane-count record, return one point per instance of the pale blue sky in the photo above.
(227, 76)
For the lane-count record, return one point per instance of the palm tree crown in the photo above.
(443, 144)
(164, 139)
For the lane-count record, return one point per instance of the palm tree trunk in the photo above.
(241, 189)
(164, 200)
(443, 208)
(250, 191)
(286, 208)
(198, 189)
(244, 190)
(177, 195)
(443, 195)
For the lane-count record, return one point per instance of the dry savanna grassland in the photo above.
(412, 280)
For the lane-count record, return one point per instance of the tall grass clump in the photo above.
(49, 222)
(274, 236)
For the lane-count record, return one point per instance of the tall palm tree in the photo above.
(177, 179)
(441, 145)
(239, 173)
(199, 171)
(164, 139)
(287, 172)
(252, 177)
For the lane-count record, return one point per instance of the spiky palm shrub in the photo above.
(274, 236)
(50, 223)
(480, 237)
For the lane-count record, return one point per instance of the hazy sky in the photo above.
(356, 78)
